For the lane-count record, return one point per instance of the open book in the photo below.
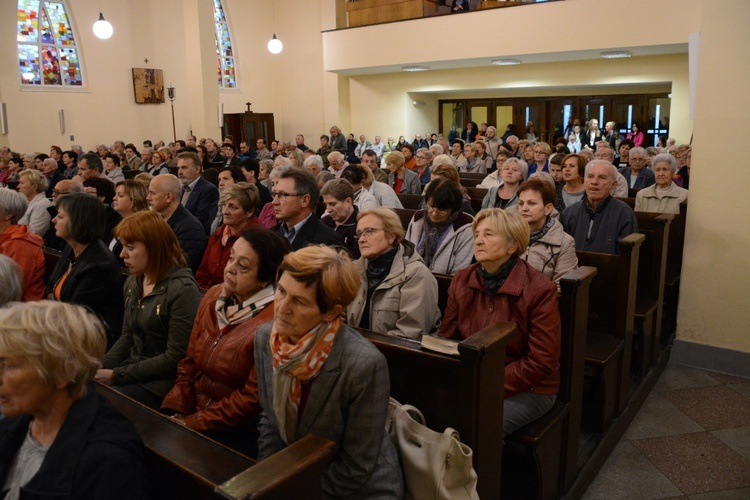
(440, 344)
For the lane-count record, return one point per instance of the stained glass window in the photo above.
(47, 53)
(224, 52)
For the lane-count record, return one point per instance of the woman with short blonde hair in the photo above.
(50, 351)
(32, 184)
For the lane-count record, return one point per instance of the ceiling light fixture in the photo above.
(616, 54)
(102, 28)
(506, 62)
(274, 45)
(414, 68)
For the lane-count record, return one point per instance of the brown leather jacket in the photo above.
(217, 388)
(528, 299)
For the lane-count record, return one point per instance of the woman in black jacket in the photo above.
(88, 273)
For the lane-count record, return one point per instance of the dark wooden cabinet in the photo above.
(249, 126)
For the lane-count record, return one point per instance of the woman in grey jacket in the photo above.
(442, 232)
(161, 300)
(398, 295)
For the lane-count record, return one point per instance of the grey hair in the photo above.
(278, 171)
(314, 160)
(638, 152)
(425, 151)
(336, 156)
(282, 161)
(612, 168)
(521, 164)
(13, 203)
(544, 176)
(11, 279)
(667, 158)
(437, 148)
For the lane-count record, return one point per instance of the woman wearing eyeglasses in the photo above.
(442, 232)
(398, 295)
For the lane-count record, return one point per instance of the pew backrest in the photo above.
(412, 201)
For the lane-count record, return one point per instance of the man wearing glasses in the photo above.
(295, 198)
(424, 159)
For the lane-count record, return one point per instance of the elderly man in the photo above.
(424, 159)
(512, 141)
(90, 165)
(338, 195)
(214, 158)
(199, 197)
(604, 152)
(164, 197)
(261, 152)
(299, 140)
(131, 154)
(370, 160)
(337, 163)
(55, 152)
(245, 150)
(295, 197)
(53, 175)
(378, 147)
(599, 221)
(362, 146)
(492, 141)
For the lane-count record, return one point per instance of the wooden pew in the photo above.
(611, 316)
(185, 464)
(405, 214)
(477, 192)
(51, 258)
(411, 201)
(464, 392)
(130, 174)
(470, 182)
(674, 268)
(542, 457)
(650, 293)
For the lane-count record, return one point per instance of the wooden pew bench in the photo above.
(51, 258)
(185, 464)
(406, 215)
(464, 392)
(611, 318)
(411, 201)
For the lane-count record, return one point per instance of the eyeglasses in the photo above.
(284, 196)
(366, 233)
(436, 210)
(55, 191)
(421, 157)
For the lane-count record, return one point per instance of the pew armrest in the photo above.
(630, 242)
(295, 468)
(495, 336)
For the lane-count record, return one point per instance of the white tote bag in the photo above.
(436, 465)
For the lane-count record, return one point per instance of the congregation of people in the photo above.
(223, 284)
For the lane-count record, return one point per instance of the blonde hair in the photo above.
(396, 158)
(36, 178)
(391, 222)
(246, 194)
(330, 272)
(63, 342)
(512, 226)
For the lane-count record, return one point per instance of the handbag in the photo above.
(436, 465)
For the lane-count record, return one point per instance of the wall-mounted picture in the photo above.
(148, 85)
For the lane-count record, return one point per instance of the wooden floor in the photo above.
(690, 440)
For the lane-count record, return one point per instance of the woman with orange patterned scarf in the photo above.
(316, 375)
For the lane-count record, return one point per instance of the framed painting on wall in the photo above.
(148, 85)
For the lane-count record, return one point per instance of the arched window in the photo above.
(47, 52)
(224, 52)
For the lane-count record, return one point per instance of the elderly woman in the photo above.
(636, 173)
(474, 165)
(112, 168)
(442, 232)
(684, 156)
(11, 281)
(400, 178)
(59, 438)
(318, 376)
(21, 245)
(239, 202)
(457, 152)
(494, 179)
(158, 164)
(264, 172)
(341, 212)
(161, 299)
(573, 171)
(216, 390)
(228, 176)
(551, 250)
(664, 196)
(32, 184)
(87, 274)
(398, 295)
(503, 287)
(512, 174)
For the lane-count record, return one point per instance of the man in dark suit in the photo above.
(199, 197)
(295, 197)
(164, 197)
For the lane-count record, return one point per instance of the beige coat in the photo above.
(554, 255)
(647, 201)
(405, 304)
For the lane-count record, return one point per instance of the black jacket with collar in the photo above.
(95, 280)
(190, 234)
(315, 232)
(96, 454)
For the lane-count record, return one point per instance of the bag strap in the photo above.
(410, 410)
(450, 431)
